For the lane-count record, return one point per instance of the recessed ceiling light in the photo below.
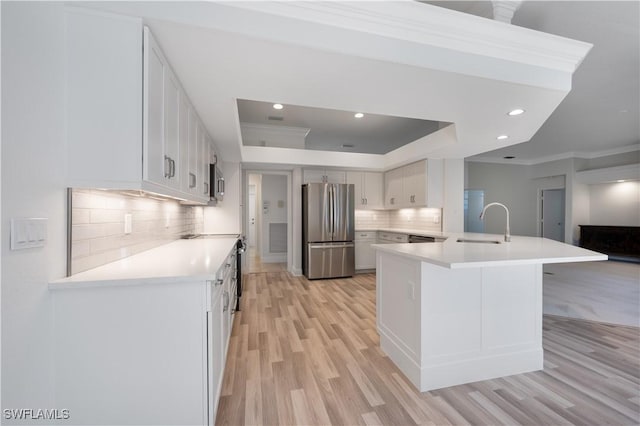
(509, 157)
(277, 106)
(502, 137)
(516, 111)
(358, 115)
(620, 180)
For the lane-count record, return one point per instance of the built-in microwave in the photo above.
(216, 187)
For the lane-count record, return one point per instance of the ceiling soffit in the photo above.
(455, 67)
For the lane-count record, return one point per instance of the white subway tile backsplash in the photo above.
(107, 216)
(97, 225)
(88, 200)
(80, 216)
(422, 219)
(87, 231)
(371, 219)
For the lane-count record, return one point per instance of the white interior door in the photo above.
(553, 214)
(252, 215)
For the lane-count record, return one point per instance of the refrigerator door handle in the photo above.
(331, 245)
(332, 207)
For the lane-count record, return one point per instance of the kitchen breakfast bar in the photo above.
(466, 309)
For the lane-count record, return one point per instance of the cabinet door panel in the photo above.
(183, 137)
(206, 158)
(195, 179)
(215, 357)
(155, 165)
(415, 184)
(355, 178)
(393, 188)
(365, 255)
(171, 136)
(373, 189)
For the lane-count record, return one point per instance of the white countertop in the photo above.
(196, 259)
(521, 250)
(409, 231)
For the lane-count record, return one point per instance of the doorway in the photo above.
(552, 209)
(267, 221)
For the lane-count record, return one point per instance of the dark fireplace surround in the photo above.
(619, 242)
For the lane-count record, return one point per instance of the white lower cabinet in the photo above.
(392, 237)
(142, 352)
(216, 350)
(364, 253)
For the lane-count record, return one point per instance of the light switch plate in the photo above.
(28, 232)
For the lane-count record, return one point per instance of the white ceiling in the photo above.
(405, 60)
(333, 130)
(601, 113)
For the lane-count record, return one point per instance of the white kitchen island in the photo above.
(454, 312)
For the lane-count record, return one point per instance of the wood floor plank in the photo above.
(371, 419)
(307, 352)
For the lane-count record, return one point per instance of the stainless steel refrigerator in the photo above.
(327, 230)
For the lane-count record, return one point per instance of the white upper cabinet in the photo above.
(419, 184)
(161, 118)
(413, 190)
(130, 124)
(203, 161)
(104, 99)
(368, 189)
(324, 176)
(186, 179)
(393, 188)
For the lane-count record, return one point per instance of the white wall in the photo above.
(453, 207)
(296, 218)
(226, 217)
(518, 186)
(510, 185)
(615, 204)
(33, 185)
(274, 192)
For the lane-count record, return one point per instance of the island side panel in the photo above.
(398, 311)
(132, 354)
(479, 323)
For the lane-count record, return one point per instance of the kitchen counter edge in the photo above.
(175, 262)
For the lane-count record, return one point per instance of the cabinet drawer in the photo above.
(365, 235)
(392, 237)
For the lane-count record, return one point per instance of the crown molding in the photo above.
(277, 130)
(426, 24)
(254, 134)
(609, 174)
(572, 154)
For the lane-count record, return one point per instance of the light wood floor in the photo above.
(598, 291)
(307, 353)
(255, 263)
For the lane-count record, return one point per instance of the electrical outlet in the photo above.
(127, 223)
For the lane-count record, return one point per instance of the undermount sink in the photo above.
(469, 240)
